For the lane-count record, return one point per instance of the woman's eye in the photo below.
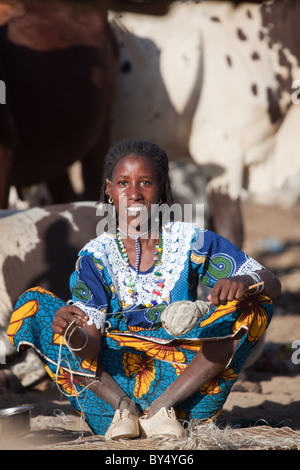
(145, 183)
(122, 183)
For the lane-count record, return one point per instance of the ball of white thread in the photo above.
(180, 317)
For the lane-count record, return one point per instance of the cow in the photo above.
(212, 82)
(39, 247)
(58, 62)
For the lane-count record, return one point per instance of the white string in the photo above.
(67, 342)
(68, 364)
(77, 393)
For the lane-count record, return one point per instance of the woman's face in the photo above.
(133, 188)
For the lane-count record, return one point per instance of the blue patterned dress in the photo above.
(135, 349)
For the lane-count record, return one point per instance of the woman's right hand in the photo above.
(65, 316)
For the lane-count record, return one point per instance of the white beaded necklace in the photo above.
(157, 275)
(137, 244)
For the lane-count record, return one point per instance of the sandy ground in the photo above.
(269, 397)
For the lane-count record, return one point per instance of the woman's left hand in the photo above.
(228, 289)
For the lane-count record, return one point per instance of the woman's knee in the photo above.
(220, 351)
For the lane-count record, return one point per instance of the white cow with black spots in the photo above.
(212, 83)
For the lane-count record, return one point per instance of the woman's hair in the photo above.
(140, 148)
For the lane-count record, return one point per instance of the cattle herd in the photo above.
(212, 82)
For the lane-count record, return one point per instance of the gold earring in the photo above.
(110, 200)
(159, 202)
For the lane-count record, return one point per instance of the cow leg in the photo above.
(227, 218)
(6, 162)
(61, 190)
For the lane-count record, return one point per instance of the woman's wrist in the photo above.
(77, 339)
(256, 279)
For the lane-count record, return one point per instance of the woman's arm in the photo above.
(272, 285)
(232, 288)
(84, 339)
(87, 286)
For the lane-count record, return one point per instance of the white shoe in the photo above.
(163, 423)
(124, 425)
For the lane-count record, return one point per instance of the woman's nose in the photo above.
(134, 192)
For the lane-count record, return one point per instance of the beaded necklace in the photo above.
(157, 275)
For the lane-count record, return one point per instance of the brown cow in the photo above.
(58, 62)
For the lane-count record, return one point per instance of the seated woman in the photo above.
(108, 349)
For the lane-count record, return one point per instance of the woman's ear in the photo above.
(108, 187)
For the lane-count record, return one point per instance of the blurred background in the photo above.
(216, 84)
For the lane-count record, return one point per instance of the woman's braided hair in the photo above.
(140, 148)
